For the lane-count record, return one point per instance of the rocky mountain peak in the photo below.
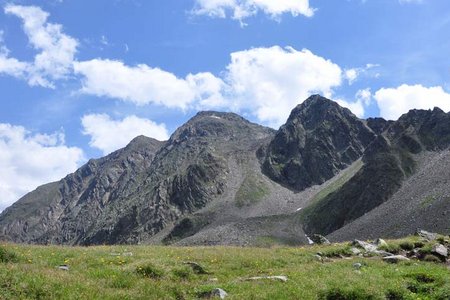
(212, 124)
(319, 139)
(317, 110)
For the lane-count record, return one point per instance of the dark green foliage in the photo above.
(150, 271)
(391, 248)
(183, 273)
(7, 256)
(337, 252)
(396, 295)
(406, 245)
(431, 258)
(186, 227)
(345, 294)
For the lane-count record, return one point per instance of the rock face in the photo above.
(319, 139)
(388, 162)
(221, 179)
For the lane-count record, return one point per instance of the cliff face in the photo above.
(319, 139)
(220, 179)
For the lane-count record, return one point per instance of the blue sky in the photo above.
(79, 79)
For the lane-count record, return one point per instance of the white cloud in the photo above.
(241, 9)
(393, 102)
(145, 85)
(109, 135)
(353, 74)
(266, 82)
(56, 49)
(270, 82)
(29, 160)
(363, 99)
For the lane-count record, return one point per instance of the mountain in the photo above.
(221, 179)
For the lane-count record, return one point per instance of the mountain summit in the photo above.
(221, 179)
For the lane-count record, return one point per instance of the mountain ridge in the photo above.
(219, 175)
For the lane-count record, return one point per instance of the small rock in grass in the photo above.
(279, 278)
(219, 293)
(395, 259)
(355, 251)
(440, 250)
(198, 269)
(382, 253)
(63, 267)
(381, 243)
(366, 246)
(320, 239)
(318, 257)
(357, 266)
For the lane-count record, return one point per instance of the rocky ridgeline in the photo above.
(221, 179)
(429, 247)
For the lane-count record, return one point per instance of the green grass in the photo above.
(158, 272)
(251, 191)
(334, 186)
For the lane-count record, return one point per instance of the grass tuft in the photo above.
(150, 271)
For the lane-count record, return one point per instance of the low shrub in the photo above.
(431, 258)
(406, 245)
(391, 248)
(183, 273)
(7, 256)
(150, 271)
(345, 294)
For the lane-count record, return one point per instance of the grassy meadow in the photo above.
(159, 272)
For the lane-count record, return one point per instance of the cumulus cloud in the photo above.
(142, 84)
(241, 9)
(269, 82)
(393, 102)
(353, 74)
(109, 135)
(56, 50)
(266, 82)
(28, 160)
(363, 99)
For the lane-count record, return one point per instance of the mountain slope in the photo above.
(221, 179)
(388, 162)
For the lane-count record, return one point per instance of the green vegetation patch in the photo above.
(337, 184)
(7, 256)
(251, 191)
(160, 272)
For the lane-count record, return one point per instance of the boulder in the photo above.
(364, 245)
(219, 293)
(278, 278)
(320, 239)
(355, 251)
(198, 269)
(380, 243)
(440, 250)
(393, 259)
(429, 236)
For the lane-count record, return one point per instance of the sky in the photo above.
(79, 79)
